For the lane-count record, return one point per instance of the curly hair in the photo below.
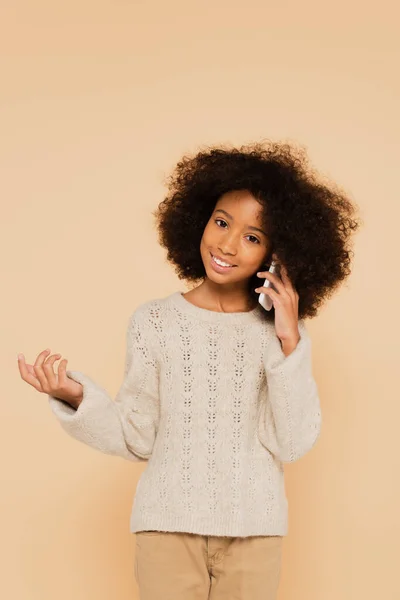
(308, 221)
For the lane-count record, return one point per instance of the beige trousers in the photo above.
(187, 566)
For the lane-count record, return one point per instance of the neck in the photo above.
(223, 298)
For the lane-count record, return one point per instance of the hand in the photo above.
(42, 377)
(286, 305)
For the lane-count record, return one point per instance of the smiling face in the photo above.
(234, 237)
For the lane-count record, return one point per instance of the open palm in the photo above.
(42, 377)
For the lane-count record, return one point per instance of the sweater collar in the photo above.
(186, 307)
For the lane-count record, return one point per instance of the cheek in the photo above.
(252, 251)
(204, 245)
(255, 260)
(205, 239)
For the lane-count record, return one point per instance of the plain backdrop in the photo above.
(98, 102)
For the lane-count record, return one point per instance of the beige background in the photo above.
(98, 102)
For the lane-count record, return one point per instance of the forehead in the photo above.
(242, 206)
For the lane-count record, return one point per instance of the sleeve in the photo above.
(126, 426)
(289, 420)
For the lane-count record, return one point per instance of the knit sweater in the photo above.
(210, 400)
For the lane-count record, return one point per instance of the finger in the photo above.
(30, 369)
(284, 277)
(276, 280)
(275, 297)
(62, 372)
(26, 374)
(49, 372)
(39, 372)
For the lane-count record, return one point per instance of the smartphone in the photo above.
(264, 300)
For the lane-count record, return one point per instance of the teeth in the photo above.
(219, 262)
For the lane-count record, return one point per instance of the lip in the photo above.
(218, 268)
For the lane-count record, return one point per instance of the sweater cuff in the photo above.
(93, 395)
(277, 363)
(290, 420)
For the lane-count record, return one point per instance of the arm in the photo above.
(289, 421)
(128, 425)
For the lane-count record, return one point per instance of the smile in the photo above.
(221, 263)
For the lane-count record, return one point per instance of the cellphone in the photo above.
(264, 300)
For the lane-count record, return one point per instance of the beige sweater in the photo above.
(213, 404)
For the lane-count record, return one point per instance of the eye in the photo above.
(257, 241)
(254, 238)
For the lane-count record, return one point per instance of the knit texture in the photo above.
(212, 403)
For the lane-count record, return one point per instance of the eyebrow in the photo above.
(247, 226)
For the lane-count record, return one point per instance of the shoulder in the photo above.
(144, 326)
(150, 314)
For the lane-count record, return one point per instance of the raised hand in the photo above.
(42, 377)
(286, 305)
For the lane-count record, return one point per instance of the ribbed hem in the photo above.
(223, 526)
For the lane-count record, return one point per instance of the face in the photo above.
(234, 236)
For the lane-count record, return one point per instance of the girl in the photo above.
(218, 393)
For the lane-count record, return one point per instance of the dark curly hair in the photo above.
(308, 222)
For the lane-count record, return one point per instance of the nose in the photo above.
(227, 249)
(228, 242)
